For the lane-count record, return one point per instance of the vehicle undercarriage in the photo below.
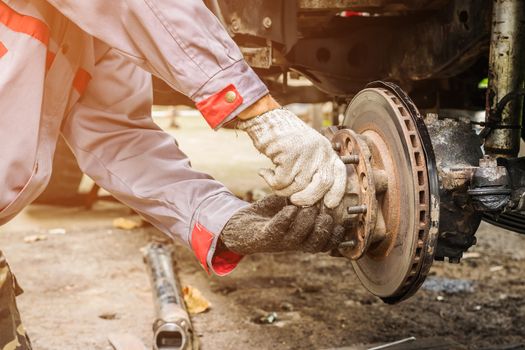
(424, 170)
(428, 108)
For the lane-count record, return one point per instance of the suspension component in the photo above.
(506, 78)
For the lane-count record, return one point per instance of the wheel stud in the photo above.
(351, 159)
(358, 209)
(347, 245)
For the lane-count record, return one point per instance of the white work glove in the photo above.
(307, 169)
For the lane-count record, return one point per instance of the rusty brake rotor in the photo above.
(391, 206)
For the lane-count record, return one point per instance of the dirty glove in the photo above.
(270, 225)
(307, 169)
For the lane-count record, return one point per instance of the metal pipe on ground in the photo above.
(172, 327)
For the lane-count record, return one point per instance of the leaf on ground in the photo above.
(35, 238)
(108, 316)
(57, 231)
(496, 268)
(471, 255)
(195, 301)
(126, 224)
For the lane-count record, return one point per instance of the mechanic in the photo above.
(82, 69)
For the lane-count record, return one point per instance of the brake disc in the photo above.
(395, 228)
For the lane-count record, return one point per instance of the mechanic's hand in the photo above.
(270, 225)
(306, 167)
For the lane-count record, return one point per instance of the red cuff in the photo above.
(49, 60)
(81, 81)
(201, 240)
(225, 261)
(219, 106)
(3, 49)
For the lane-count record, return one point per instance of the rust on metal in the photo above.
(258, 57)
(379, 5)
(388, 242)
(351, 159)
(506, 75)
(361, 187)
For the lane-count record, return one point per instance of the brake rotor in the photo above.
(394, 256)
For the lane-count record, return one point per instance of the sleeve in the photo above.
(181, 42)
(118, 145)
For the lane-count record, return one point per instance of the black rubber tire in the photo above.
(63, 188)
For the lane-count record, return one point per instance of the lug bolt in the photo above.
(267, 22)
(351, 159)
(235, 25)
(347, 245)
(358, 209)
(344, 247)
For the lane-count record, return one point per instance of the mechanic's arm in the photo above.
(184, 44)
(181, 42)
(118, 145)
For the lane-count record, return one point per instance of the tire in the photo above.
(63, 188)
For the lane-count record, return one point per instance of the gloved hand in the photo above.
(270, 225)
(306, 167)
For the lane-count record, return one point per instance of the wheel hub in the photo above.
(389, 208)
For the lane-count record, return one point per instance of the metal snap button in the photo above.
(230, 96)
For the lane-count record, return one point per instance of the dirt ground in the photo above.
(90, 282)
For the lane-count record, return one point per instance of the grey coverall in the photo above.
(83, 69)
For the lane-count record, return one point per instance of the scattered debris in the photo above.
(496, 268)
(352, 303)
(367, 299)
(69, 287)
(108, 316)
(267, 319)
(395, 343)
(195, 301)
(448, 285)
(477, 307)
(287, 318)
(411, 343)
(125, 342)
(440, 298)
(57, 231)
(126, 224)
(286, 306)
(223, 289)
(35, 238)
(471, 255)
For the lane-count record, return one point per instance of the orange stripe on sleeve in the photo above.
(3, 49)
(24, 24)
(81, 80)
(49, 59)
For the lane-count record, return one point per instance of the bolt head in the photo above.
(235, 25)
(230, 96)
(351, 159)
(267, 22)
(358, 209)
